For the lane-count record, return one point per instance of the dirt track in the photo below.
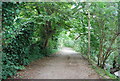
(66, 64)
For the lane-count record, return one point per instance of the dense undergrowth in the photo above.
(34, 30)
(19, 45)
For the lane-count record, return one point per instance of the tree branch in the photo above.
(80, 35)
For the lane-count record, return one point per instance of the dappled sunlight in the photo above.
(58, 36)
(67, 51)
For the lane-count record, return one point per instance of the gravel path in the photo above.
(66, 64)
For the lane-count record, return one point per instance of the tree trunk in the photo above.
(46, 43)
(88, 35)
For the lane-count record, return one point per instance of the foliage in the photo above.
(104, 73)
(34, 30)
(103, 30)
(19, 44)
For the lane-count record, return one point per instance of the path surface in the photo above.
(66, 64)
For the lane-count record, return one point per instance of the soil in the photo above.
(65, 64)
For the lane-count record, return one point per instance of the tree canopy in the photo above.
(32, 30)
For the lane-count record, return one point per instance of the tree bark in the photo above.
(88, 35)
